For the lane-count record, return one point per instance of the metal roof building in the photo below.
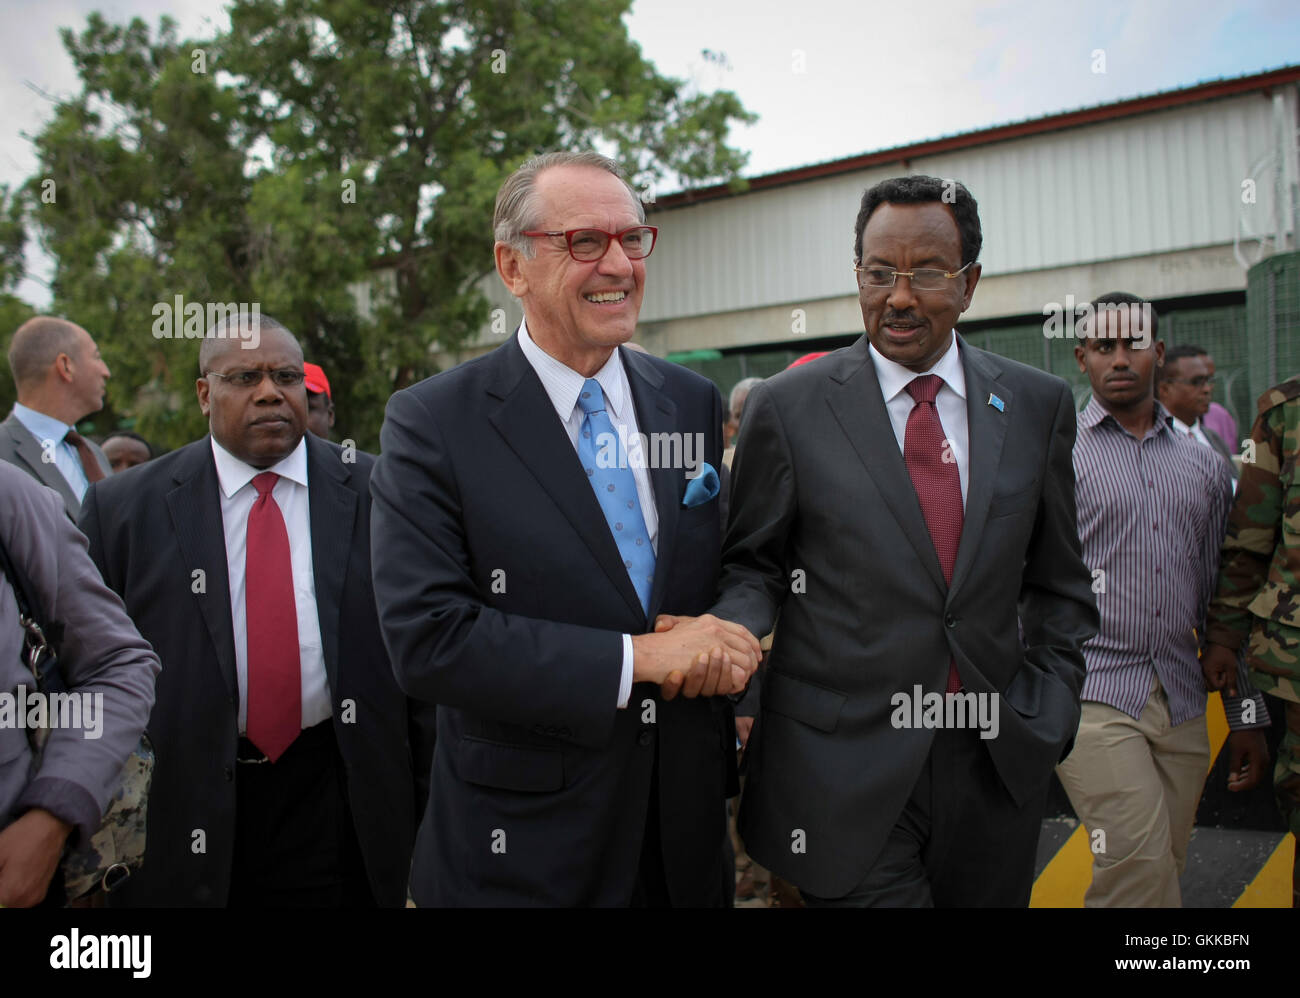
(1171, 196)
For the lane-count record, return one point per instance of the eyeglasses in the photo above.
(283, 377)
(590, 245)
(1198, 382)
(922, 280)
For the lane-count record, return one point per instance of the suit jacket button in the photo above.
(229, 774)
(950, 621)
(645, 737)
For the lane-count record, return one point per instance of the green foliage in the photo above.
(331, 146)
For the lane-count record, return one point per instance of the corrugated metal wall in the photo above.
(1169, 180)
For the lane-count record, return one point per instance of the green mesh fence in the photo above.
(1273, 324)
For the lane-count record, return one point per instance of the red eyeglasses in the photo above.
(588, 245)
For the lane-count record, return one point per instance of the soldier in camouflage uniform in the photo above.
(1258, 598)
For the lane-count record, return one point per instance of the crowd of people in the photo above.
(515, 659)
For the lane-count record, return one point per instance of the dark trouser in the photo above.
(295, 846)
(960, 840)
(651, 890)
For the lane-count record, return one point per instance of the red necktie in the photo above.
(933, 467)
(274, 669)
(89, 463)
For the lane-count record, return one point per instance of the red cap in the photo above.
(316, 380)
(804, 359)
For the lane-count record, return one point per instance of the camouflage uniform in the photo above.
(1259, 579)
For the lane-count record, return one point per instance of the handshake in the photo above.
(695, 656)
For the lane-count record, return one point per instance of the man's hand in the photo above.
(1219, 664)
(744, 725)
(1247, 757)
(695, 656)
(29, 854)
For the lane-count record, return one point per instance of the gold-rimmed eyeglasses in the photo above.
(923, 279)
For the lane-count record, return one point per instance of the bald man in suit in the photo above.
(60, 379)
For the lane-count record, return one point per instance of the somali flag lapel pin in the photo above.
(997, 403)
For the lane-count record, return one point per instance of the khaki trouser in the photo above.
(1135, 785)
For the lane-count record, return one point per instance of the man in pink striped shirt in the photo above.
(1152, 508)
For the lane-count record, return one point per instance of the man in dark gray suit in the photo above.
(904, 503)
(102, 657)
(60, 379)
(1185, 385)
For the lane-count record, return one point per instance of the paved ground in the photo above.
(1240, 855)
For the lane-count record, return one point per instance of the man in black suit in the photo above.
(288, 759)
(1185, 386)
(524, 537)
(904, 503)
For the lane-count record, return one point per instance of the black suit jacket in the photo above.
(503, 599)
(150, 529)
(1219, 444)
(819, 486)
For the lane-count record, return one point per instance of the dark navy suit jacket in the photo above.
(503, 599)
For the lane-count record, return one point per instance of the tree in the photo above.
(13, 311)
(322, 147)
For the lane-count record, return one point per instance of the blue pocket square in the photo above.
(701, 488)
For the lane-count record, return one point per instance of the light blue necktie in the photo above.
(605, 463)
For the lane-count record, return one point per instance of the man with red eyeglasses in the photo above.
(534, 511)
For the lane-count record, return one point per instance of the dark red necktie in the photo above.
(274, 668)
(933, 467)
(89, 463)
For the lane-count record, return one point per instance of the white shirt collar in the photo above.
(894, 377)
(563, 384)
(234, 474)
(1183, 428)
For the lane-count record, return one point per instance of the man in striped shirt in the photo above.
(1152, 508)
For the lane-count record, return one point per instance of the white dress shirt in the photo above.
(1197, 433)
(563, 385)
(950, 402)
(290, 494)
(66, 457)
(1194, 431)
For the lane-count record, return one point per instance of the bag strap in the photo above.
(38, 639)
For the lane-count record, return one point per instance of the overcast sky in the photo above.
(828, 78)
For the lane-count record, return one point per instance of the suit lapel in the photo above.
(195, 509)
(656, 413)
(987, 427)
(332, 511)
(855, 399)
(30, 451)
(527, 421)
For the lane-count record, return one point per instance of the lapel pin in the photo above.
(997, 403)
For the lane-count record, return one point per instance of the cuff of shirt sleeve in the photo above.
(625, 681)
(65, 800)
(1233, 707)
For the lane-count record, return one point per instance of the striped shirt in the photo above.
(1152, 514)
